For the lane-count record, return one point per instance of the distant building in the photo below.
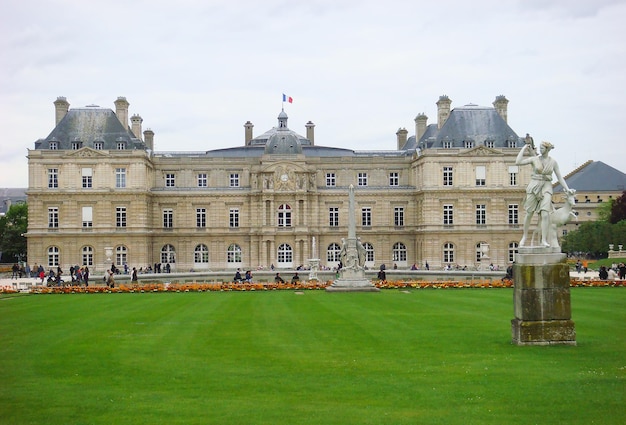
(11, 196)
(99, 192)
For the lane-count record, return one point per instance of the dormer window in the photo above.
(511, 143)
(489, 143)
(98, 146)
(120, 146)
(53, 146)
(469, 144)
(447, 144)
(77, 145)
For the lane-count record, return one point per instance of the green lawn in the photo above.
(279, 357)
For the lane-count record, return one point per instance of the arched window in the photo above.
(87, 252)
(201, 254)
(399, 252)
(53, 256)
(233, 255)
(285, 255)
(513, 251)
(479, 251)
(168, 254)
(332, 253)
(284, 216)
(369, 252)
(448, 252)
(121, 255)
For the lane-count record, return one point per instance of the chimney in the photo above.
(421, 122)
(148, 137)
(121, 110)
(500, 104)
(248, 138)
(402, 136)
(136, 121)
(443, 110)
(310, 132)
(61, 106)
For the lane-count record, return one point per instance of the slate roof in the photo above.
(469, 122)
(88, 125)
(11, 196)
(595, 176)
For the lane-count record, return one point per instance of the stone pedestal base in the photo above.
(352, 281)
(541, 299)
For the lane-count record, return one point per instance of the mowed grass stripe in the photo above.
(435, 356)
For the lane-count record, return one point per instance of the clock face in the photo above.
(284, 177)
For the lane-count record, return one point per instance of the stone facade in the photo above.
(263, 202)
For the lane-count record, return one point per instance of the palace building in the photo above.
(100, 192)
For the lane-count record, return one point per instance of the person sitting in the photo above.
(237, 278)
(248, 277)
(295, 278)
(278, 279)
(382, 276)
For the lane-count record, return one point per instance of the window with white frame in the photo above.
(448, 215)
(168, 218)
(201, 254)
(120, 217)
(362, 179)
(170, 180)
(399, 252)
(168, 254)
(53, 256)
(87, 254)
(121, 255)
(233, 254)
(513, 214)
(369, 252)
(481, 175)
(234, 179)
(284, 216)
(87, 214)
(233, 217)
(479, 251)
(333, 216)
(481, 214)
(468, 144)
(53, 146)
(53, 217)
(394, 178)
(513, 172)
(98, 146)
(447, 176)
(332, 253)
(489, 143)
(76, 145)
(513, 249)
(87, 174)
(448, 252)
(200, 217)
(447, 144)
(510, 143)
(398, 216)
(53, 178)
(202, 180)
(366, 216)
(331, 180)
(285, 254)
(120, 177)
(120, 146)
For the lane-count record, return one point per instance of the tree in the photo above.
(13, 225)
(618, 209)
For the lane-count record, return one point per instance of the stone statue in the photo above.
(538, 199)
(361, 252)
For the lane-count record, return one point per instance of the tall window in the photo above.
(362, 179)
(200, 217)
(53, 256)
(513, 251)
(285, 253)
(170, 180)
(121, 255)
(168, 218)
(481, 214)
(87, 178)
(333, 216)
(447, 176)
(233, 254)
(233, 217)
(513, 171)
(331, 180)
(120, 217)
(87, 217)
(399, 252)
(513, 214)
(394, 178)
(234, 179)
(448, 253)
(201, 254)
(168, 254)
(53, 217)
(202, 180)
(366, 216)
(53, 178)
(87, 252)
(284, 216)
(398, 216)
(332, 253)
(120, 177)
(481, 175)
(369, 252)
(448, 215)
(479, 251)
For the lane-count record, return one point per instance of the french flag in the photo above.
(287, 98)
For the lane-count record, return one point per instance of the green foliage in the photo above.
(594, 238)
(618, 210)
(604, 210)
(279, 357)
(12, 226)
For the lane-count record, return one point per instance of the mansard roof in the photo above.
(595, 176)
(88, 125)
(479, 124)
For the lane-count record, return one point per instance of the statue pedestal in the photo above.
(352, 281)
(541, 298)
(314, 266)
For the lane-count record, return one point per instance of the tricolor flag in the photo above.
(287, 98)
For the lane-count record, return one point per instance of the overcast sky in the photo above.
(197, 70)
